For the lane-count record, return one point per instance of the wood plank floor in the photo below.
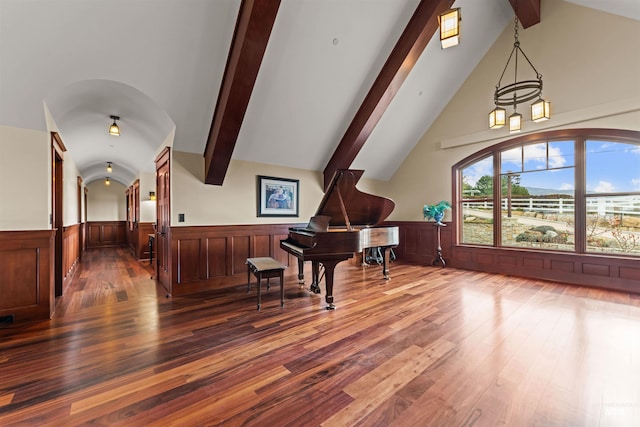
(430, 347)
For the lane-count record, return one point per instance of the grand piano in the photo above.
(344, 224)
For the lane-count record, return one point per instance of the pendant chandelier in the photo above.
(114, 129)
(518, 92)
(449, 23)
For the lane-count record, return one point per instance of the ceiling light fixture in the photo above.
(449, 22)
(114, 130)
(106, 181)
(518, 92)
(109, 168)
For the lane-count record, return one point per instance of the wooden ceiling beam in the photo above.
(421, 27)
(528, 11)
(252, 32)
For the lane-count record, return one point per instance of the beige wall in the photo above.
(147, 207)
(106, 203)
(235, 201)
(25, 193)
(70, 191)
(590, 62)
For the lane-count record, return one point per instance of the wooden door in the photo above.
(57, 150)
(163, 215)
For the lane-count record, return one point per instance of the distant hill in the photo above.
(534, 191)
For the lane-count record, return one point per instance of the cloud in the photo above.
(476, 171)
(635, 183)
(566, 186)
(604, 187)
(556, 159)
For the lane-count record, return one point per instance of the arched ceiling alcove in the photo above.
(82, 113)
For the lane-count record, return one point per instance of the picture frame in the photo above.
(278, 197)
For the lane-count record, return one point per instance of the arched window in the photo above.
(573, 190)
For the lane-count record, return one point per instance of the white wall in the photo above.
(106, 203)
(590, 62)
(25, 179)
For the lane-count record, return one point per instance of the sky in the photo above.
(611, 166)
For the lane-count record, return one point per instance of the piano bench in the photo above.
(265, 268)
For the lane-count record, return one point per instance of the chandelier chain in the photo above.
(518, 91)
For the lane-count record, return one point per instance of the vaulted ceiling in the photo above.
(312, 84)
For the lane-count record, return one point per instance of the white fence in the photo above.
(625, 205)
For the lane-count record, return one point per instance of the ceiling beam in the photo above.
(252, 32)
(421, 27)
(527, 11)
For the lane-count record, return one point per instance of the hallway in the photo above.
(432, 346)
(107, 276)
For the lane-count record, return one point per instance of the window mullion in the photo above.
(580, 200)
(497, 199)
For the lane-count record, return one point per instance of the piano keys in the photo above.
(331, 236)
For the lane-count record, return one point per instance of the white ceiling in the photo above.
(158, 65)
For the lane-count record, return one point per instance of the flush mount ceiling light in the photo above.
(518, 92)
(106, 181)
(109, 168)
(449, 22)
(114, 130)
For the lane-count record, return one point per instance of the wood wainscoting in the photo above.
(143, 230)
(106, 233)
(70, 251)
(418, 242)
(418, 245)
(138, 239)
(211, 257)
(26, 274)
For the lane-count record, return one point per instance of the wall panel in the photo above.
(26, 279)
(189, 260)
(70, 252)
(217, 257)
(212, 257)
(107, 233)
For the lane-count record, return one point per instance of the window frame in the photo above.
(579, 136)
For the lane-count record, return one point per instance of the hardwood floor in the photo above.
(430, 347)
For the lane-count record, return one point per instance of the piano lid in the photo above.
(343, 198)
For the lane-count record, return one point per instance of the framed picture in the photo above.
(278, 196)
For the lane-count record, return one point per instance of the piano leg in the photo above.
(300, 271)
(315, 277)
(329, 267)
(385, 262)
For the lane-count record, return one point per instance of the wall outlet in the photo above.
(180, 217)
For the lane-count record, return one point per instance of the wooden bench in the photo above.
(265, 268)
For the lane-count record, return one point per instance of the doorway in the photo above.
(57, 158)
(163, 218)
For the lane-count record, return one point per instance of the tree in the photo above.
(516, 189)
(485, 185)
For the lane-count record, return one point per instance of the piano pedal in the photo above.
(315, 288)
